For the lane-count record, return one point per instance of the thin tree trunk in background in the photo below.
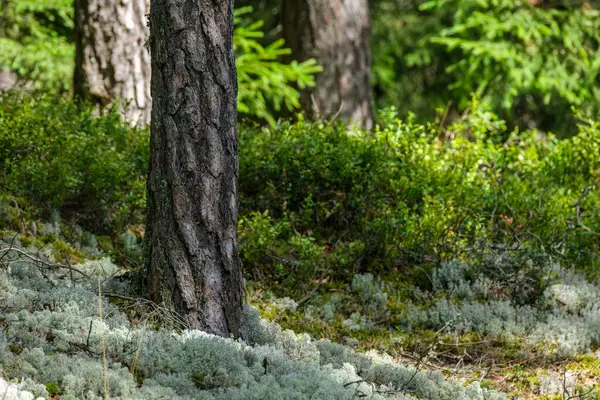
(111, 61)
(8, 80)
(191, 236)
(336, 33)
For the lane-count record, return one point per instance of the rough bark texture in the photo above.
(191, 231)
(336, 33)
(111, 61)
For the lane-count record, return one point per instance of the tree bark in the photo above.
(193, 261)
(336, 33)
(111, 62)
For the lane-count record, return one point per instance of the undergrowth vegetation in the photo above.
(57, 344)
(319, 200)
(403, 239)
(56, 156)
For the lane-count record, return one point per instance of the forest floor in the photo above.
(518, 367)
(534, 377)
(521, 371)
(76, 330)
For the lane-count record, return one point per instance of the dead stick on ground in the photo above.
(105, 362)
(44, 263)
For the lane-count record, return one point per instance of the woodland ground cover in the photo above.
(460, 248)
(63, 338)
(450, 242)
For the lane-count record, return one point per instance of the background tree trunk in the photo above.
(336, 33)
(191, 232)
(111, 61)
(8, 80)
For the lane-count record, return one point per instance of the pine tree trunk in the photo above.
(191, 232)
(111, 62)
(336, 33)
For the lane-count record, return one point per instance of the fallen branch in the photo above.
(41, 263)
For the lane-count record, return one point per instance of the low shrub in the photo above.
(414, 195)
(320, 201)
(56, 155)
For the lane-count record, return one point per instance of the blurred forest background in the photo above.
(531, 61)
(458, 232)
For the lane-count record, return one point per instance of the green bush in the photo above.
(59, 156)
(36, 41)
(411, 194)
(530, 60)
(319, 201)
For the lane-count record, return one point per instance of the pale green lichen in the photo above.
(48, 319)
(563, 320)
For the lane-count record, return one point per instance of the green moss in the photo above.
(65, 251)
(586, 363)
(26, 241)
(522, 379)
(7, 234)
